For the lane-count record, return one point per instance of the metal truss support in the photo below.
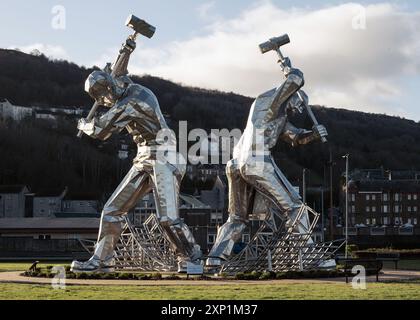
(277, 247)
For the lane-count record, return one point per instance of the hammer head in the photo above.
(140, 26)
(274, 43)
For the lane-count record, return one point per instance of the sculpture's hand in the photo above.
(320, 131)
(286, 66)
(88, 127)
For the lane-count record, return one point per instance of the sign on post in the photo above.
(194, 269)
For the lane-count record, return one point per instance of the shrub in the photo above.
(156, 276)
(268, 275)
(240, 276)
(173, 277)
(141, 276)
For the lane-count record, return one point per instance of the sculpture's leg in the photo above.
(273, 185)
(134, 186)
(240, 193)
(167, 179)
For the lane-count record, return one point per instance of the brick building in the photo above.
(383, 207)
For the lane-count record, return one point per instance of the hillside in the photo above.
(35, 148)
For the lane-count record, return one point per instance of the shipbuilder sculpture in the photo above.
(136, 109)
(253, 169)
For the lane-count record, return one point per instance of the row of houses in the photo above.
(51, 224)
(383, 208)
(17, 201)
(19, 113)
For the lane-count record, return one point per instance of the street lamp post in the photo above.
(304, 186)
(347, 201)
(322, 215)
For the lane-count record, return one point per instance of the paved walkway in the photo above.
(389, 275)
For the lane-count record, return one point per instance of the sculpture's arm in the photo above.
(120, 67)
(297, 136)
(103, 127)
(294, 82)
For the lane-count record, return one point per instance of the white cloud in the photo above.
(205, 9)
(51, 51)
(357, 69)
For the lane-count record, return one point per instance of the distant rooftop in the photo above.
(12, 188)
(48, 223)
(382, 174)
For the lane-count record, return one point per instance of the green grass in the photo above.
(22, 266)
(281, 291)
(325, 291)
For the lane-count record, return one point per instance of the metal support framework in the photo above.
(145, 248)
(274, 247)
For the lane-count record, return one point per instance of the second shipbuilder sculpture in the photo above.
(135, 108)
(249, 172)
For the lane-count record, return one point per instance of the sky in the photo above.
(361, 55)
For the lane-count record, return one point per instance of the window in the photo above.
(352, 197)
(397, 197)
(414, 196)
(415, 221)
(216, 218)
(44, 237)
(397, 209)
(353, 209)
(374, 209)
(415, 208)
(245, 238)
(409, 196)
(385, 196)
(373, 221)
(409, 208)
(373, 197)
(367, 221)
(409, 221)
(367, 197)
(386, 220)
(385, 210)
(367, 209)
(211, 238)
(398, 220)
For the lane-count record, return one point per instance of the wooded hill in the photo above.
(41, 155)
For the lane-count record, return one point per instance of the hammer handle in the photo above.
(308, 108)
(314, 120)
(89, 117)
(116, 68)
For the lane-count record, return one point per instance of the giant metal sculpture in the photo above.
(135, 108)
(255, 180)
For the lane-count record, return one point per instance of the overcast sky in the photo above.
(360, 56)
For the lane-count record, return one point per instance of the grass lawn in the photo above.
(22, 266)
(281, 291)
(325, 291)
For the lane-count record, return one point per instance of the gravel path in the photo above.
(16, 277)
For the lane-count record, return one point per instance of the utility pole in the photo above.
(347, 201)
(322, 214)
(331, 163)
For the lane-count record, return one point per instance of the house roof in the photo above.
(50, 192)
(194, 202)
(12, 188)
(48, 223)
(72, 196)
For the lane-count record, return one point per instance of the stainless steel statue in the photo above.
(135, 108)
(247, 174)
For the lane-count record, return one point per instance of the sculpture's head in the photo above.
(297, 103)
(102, 87)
